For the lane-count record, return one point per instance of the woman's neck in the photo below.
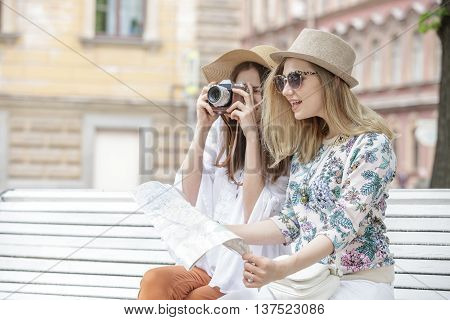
(332, 132)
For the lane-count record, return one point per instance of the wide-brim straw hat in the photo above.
(325, 50)
(221, 68)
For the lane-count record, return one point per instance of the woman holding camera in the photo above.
(225, 176)
(342, 166)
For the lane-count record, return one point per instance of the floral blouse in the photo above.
(342, 194)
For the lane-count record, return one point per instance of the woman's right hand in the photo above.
(205, 114)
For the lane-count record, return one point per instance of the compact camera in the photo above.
(220, 96)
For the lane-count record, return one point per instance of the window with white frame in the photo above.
(417, 57)
(120, 18)
(375, 71)
(358, 66)
(396, 61)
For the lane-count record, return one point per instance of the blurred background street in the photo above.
(78, 78)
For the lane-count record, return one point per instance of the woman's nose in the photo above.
(287, 90)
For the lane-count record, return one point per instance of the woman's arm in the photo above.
(245, 113)
(259, 233)
(253, 176)
(192, 167)
(264, 270)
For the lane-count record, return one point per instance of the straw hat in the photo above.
(222, 67)
(325, 50)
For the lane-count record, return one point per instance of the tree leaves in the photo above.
(431, 20)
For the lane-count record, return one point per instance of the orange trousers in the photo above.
(177, 283)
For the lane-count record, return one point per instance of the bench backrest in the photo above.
(92, 244)
(418, 223)
(74, 244)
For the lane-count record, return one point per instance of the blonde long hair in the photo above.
(285, 136)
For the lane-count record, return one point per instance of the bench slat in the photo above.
(411, 294)
(420, 251)
(417, 210)
(70, 279)
(76, 242)
(134, 219)
(428, 282)
(68, 195)
(84, 231)
(37, 296)
(120, 207)
(75, 267)
(86, 254)
(431, 238)
(99, 292)
(418, 224)
(419, 194)
(441, 267)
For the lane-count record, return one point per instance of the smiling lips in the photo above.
(295, 104)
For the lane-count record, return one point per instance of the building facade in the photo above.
(398, 68)
(98, 93)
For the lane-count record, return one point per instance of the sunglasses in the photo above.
(294, 78)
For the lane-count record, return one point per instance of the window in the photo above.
(417, 60)
(119, 18)
(102, 137)
(416, 151)
(376, 64)
(396, 61)
(124, 164)
(358, 66)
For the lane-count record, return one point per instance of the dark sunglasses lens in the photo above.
(279, 82)
(294, 80)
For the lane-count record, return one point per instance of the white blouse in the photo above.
(222, 200)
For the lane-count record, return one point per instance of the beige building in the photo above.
(78, 78)
(398, 67)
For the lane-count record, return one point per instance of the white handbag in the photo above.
(317, 282)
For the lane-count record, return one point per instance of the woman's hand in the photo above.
(245, 112)
(205, 114)
(259, 271)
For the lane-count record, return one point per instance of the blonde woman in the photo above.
(225, 176)
(342, 165)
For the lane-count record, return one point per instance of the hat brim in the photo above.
(222, 67)
(279, 56)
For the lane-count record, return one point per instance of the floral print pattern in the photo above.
(347, 187)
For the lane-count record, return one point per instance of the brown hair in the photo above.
(235, 159)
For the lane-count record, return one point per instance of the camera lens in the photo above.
(214, 94)
(218, 96)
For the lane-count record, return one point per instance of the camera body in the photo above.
(220, 96)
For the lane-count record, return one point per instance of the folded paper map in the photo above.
(187, 232)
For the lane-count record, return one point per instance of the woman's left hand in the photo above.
(259, 271)
(245, 112)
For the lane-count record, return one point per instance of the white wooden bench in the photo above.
(418, 223)
(41, 233)
(89, 244)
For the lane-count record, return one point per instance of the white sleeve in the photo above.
(270, 203)
(205, 201)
